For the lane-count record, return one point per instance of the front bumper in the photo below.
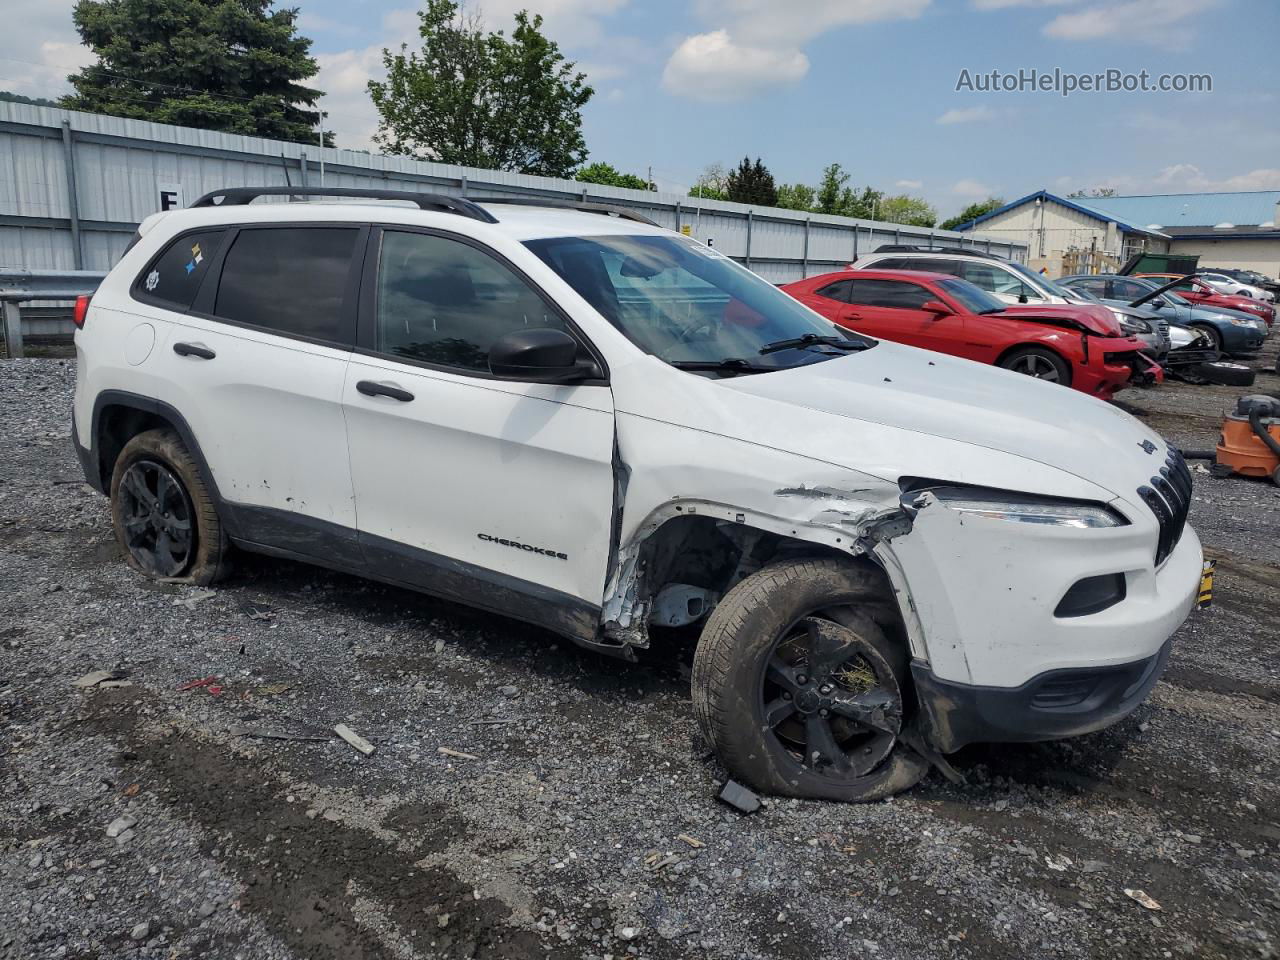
(1242, 342)
(1052, 705)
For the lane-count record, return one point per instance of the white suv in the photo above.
(596, 425)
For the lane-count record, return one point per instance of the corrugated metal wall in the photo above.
(118, 167)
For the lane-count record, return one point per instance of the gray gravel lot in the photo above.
(147, 821)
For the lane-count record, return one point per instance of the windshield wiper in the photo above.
(729, 365)
(813, 339)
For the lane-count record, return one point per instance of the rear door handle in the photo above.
(193, 350)
(371, 389)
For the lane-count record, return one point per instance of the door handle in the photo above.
(371, 389)
(193, 350)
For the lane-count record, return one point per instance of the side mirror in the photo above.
(539, 355)
(937, 308)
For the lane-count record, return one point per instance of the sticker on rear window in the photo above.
(153, 280)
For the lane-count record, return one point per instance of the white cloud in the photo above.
(908, 184)
(966, 115)
(972, 189)
(1157, 22)
(1176, 178)
(571, 23)
(755, 45)
(710, 66)
(39, 47)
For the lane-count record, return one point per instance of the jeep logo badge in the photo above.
(1148, 446)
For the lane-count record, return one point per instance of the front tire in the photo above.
(799, 689)
(1039, 363)
(164, 518)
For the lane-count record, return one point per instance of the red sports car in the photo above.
(1063, 344)
(1200, 293)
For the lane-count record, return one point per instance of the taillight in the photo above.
(82, 310)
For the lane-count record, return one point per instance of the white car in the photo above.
(599, 426)
(1230, 285)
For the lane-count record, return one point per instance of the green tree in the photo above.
(481, 99)
(796, 196)
(972, 212)
(907, 209)
(230, 65)
(861, 204)
(752, 183)
(835, 197)
(829, 190)
(611, 176)
(1095, 192)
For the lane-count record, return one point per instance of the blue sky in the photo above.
(866, 83)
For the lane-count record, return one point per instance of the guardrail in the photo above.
(22, 286)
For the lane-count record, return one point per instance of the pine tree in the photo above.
(229, 65)
(752, 183)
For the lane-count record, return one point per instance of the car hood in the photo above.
(1094, 317)
(982, 417)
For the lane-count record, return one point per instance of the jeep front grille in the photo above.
(1169, 498)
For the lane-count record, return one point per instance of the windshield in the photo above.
(1040, 280)
(688, 304)
(974, 298)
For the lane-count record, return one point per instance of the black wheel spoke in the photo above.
(156, 525)
(876, 709)
(775, 711)
(137, 487)
(821, 749)
(783, 675)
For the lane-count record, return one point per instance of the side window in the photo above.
(995, 279)
(1128, 290)
(897, 294)
(836, 291)
(445, 302)
(290, 280)
(1097, 287)
(174, 277)
(891, 263)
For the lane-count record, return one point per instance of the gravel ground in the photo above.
(576, 817)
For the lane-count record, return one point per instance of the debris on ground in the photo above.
(457, 754)
(98, 677)
(209, 683)
(739, 797)
(264, 733)
(691, 841)
(1142, 897)
(353, 738)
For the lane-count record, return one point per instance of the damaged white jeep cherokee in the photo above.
(581, 420)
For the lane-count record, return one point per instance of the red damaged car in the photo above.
(1071, 345)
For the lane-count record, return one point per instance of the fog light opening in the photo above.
(1092, 595)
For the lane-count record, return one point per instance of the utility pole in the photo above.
(320, 137)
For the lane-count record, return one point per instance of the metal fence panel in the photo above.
(119, 167)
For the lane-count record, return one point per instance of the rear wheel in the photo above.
(800, 690)
(1039, 363)
(164, 517)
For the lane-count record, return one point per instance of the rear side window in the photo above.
(995, 279)
(836, 291)
(289, 280)
(173, 278)
(889, 293)
(1129, 289)
(1097, 287)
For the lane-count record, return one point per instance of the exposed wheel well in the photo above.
(117, 424)
(716, 555)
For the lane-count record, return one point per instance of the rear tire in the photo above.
(1039, 363)
(786, 661)
(164, 518)
(1227, 374)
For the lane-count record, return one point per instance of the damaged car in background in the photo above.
(579, 419)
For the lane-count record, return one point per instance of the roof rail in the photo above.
(584, 206)
(924, 248)
(239, 196)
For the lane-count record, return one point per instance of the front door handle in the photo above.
(193, 350)
(371, 389)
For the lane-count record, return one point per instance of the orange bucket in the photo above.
(1244, 451)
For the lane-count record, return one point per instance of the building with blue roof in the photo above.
(1096, 234)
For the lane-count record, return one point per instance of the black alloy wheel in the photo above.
(831, 698)
(156, 518)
